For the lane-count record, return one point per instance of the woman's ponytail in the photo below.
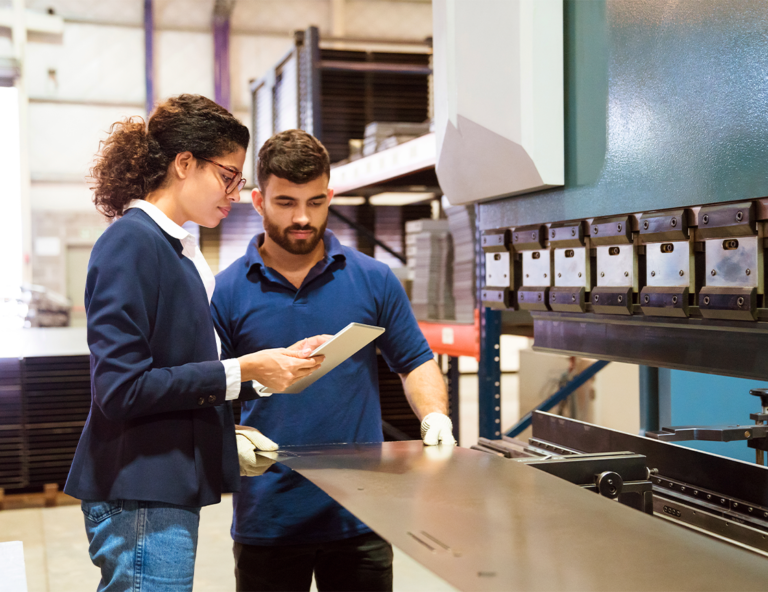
(121, 171)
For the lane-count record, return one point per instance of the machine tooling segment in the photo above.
(486, 523)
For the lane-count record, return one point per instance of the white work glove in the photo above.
(248, 441)
(437, 428)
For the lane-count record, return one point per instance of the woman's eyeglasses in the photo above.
(237, 182)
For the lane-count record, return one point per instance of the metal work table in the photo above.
(486, 523)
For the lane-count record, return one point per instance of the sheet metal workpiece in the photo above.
(482, 522)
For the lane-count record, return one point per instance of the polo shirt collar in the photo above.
(333, 250)
(167, 225)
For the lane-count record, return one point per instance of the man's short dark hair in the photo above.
(293, 155)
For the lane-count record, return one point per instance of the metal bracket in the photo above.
(616, 301)
(727, 220)
(664, 302)
(664, 226)
(529, 237)
(567, 299)
(570, 234)
(533, 298)
(498, 298)
(728, 303)
(612, 231)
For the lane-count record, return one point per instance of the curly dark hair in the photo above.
(133, 161)
(293, 155)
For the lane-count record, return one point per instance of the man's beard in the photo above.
(302, 246)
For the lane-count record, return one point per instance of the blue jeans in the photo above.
(142, 546)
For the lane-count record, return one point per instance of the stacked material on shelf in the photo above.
(446, 307)
(380, 135)
(430, 255)
(461, 220)
(412, 229)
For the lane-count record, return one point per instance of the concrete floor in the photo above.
(56, 552)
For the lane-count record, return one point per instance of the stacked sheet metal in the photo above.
(412, 229)
(480, 522)
(461, 220)
(430, 254)
(382, 135)
(446, 307)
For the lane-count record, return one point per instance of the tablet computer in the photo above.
(347, 342)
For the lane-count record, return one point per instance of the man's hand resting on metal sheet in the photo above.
(249, 440)
(278, 368)
(437, 428)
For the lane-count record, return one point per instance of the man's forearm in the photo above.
(425, 389)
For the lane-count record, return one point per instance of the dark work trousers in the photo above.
(361, 564)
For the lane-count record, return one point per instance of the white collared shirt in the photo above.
(192, 252)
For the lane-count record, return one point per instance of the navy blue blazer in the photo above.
(159, 428)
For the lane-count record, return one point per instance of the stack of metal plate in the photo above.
(12, 462)
(414, 228)
(57, 399)
(446, 307)
(424, 294)
(430, 261)
(380, 136)
(461, 220)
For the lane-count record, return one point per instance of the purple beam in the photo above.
(221, 57)
(149, 62)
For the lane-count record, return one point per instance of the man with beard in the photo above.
(295, 280)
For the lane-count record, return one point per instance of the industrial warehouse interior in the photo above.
(527, 236)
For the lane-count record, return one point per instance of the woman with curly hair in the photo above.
(159, 441)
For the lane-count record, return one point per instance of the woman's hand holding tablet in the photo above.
(277, 369)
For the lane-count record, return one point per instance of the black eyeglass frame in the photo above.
(234, 183)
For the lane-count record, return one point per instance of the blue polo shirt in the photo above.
(255, 308)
